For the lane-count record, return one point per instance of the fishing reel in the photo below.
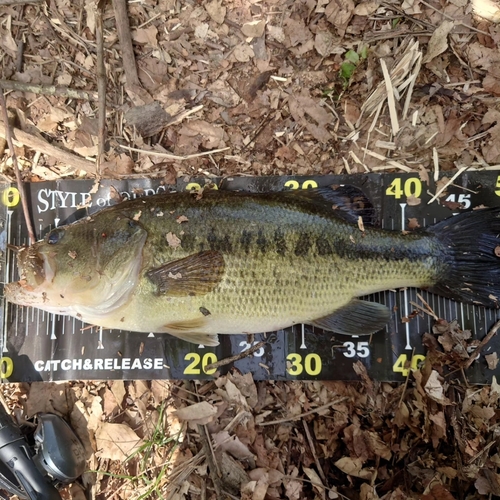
(36, 460)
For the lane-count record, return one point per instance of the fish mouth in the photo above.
(34, 268)
(35, 273)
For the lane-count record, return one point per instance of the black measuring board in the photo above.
(40, 346)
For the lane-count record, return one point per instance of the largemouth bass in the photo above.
(195, 266)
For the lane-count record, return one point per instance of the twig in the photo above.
(450, 18)
(436, 196)
(212, 463)
(236, 357)
(123, 27)
(44, 147)
(170, 156)
(310, 412)
(314, 454)
(20, 185)
(55, 90)
(101, 84)
(483, 342)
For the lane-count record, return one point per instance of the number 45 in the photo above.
(360, 349)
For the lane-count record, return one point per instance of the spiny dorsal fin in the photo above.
(196, 274)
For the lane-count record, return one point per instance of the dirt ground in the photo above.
(262, 87)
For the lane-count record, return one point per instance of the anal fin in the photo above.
(359, 317)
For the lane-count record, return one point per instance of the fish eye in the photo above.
(55, 236)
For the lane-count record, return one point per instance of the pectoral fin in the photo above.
(196, 274)
(356, 318)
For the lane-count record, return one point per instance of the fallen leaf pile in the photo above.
(270, 88)
(434, 437)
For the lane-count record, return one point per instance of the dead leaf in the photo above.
(302, 107)
(325, 44)
(488, 483)
(216, 10)
(116, 441)
(368, 492)
(199, 413)
(254, 29)
(232, 445)
(366, 8)
(413, 201)
(243, 52)
(492, 360)
(353, 467)
(438, 492)
(173, 240)
(439, 41)
(434, 388)
(339, 14)
(212, 136)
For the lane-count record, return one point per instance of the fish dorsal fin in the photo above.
(348, 202)
(196, 274)
(359, 317)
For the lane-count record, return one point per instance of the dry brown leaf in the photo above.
(293, 488)
(488, 483)
(216, 10)
(116, 441)
(254, 29)
(439, 41)
(368, 492)
(325, 44)
(302, 107)
(353, 467)
(173, 240)
(315, 480)
(147, 36)
(438, 492)
(366, 8)
(339, 14)
(492, 360)
(232, 445)
(434, 388)
(243, 52)
(212, 135)
(438, 428)
(199, 413)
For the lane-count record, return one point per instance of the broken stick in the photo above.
(38, 144)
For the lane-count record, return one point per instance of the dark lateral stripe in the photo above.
(323, 246)
(219, 244)
(280, 242)
(246, 241)
(261, 241)
(303, 245)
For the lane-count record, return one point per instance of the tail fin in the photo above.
(472, 243)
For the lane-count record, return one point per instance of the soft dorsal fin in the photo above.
(196, 274)
(348, 202)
